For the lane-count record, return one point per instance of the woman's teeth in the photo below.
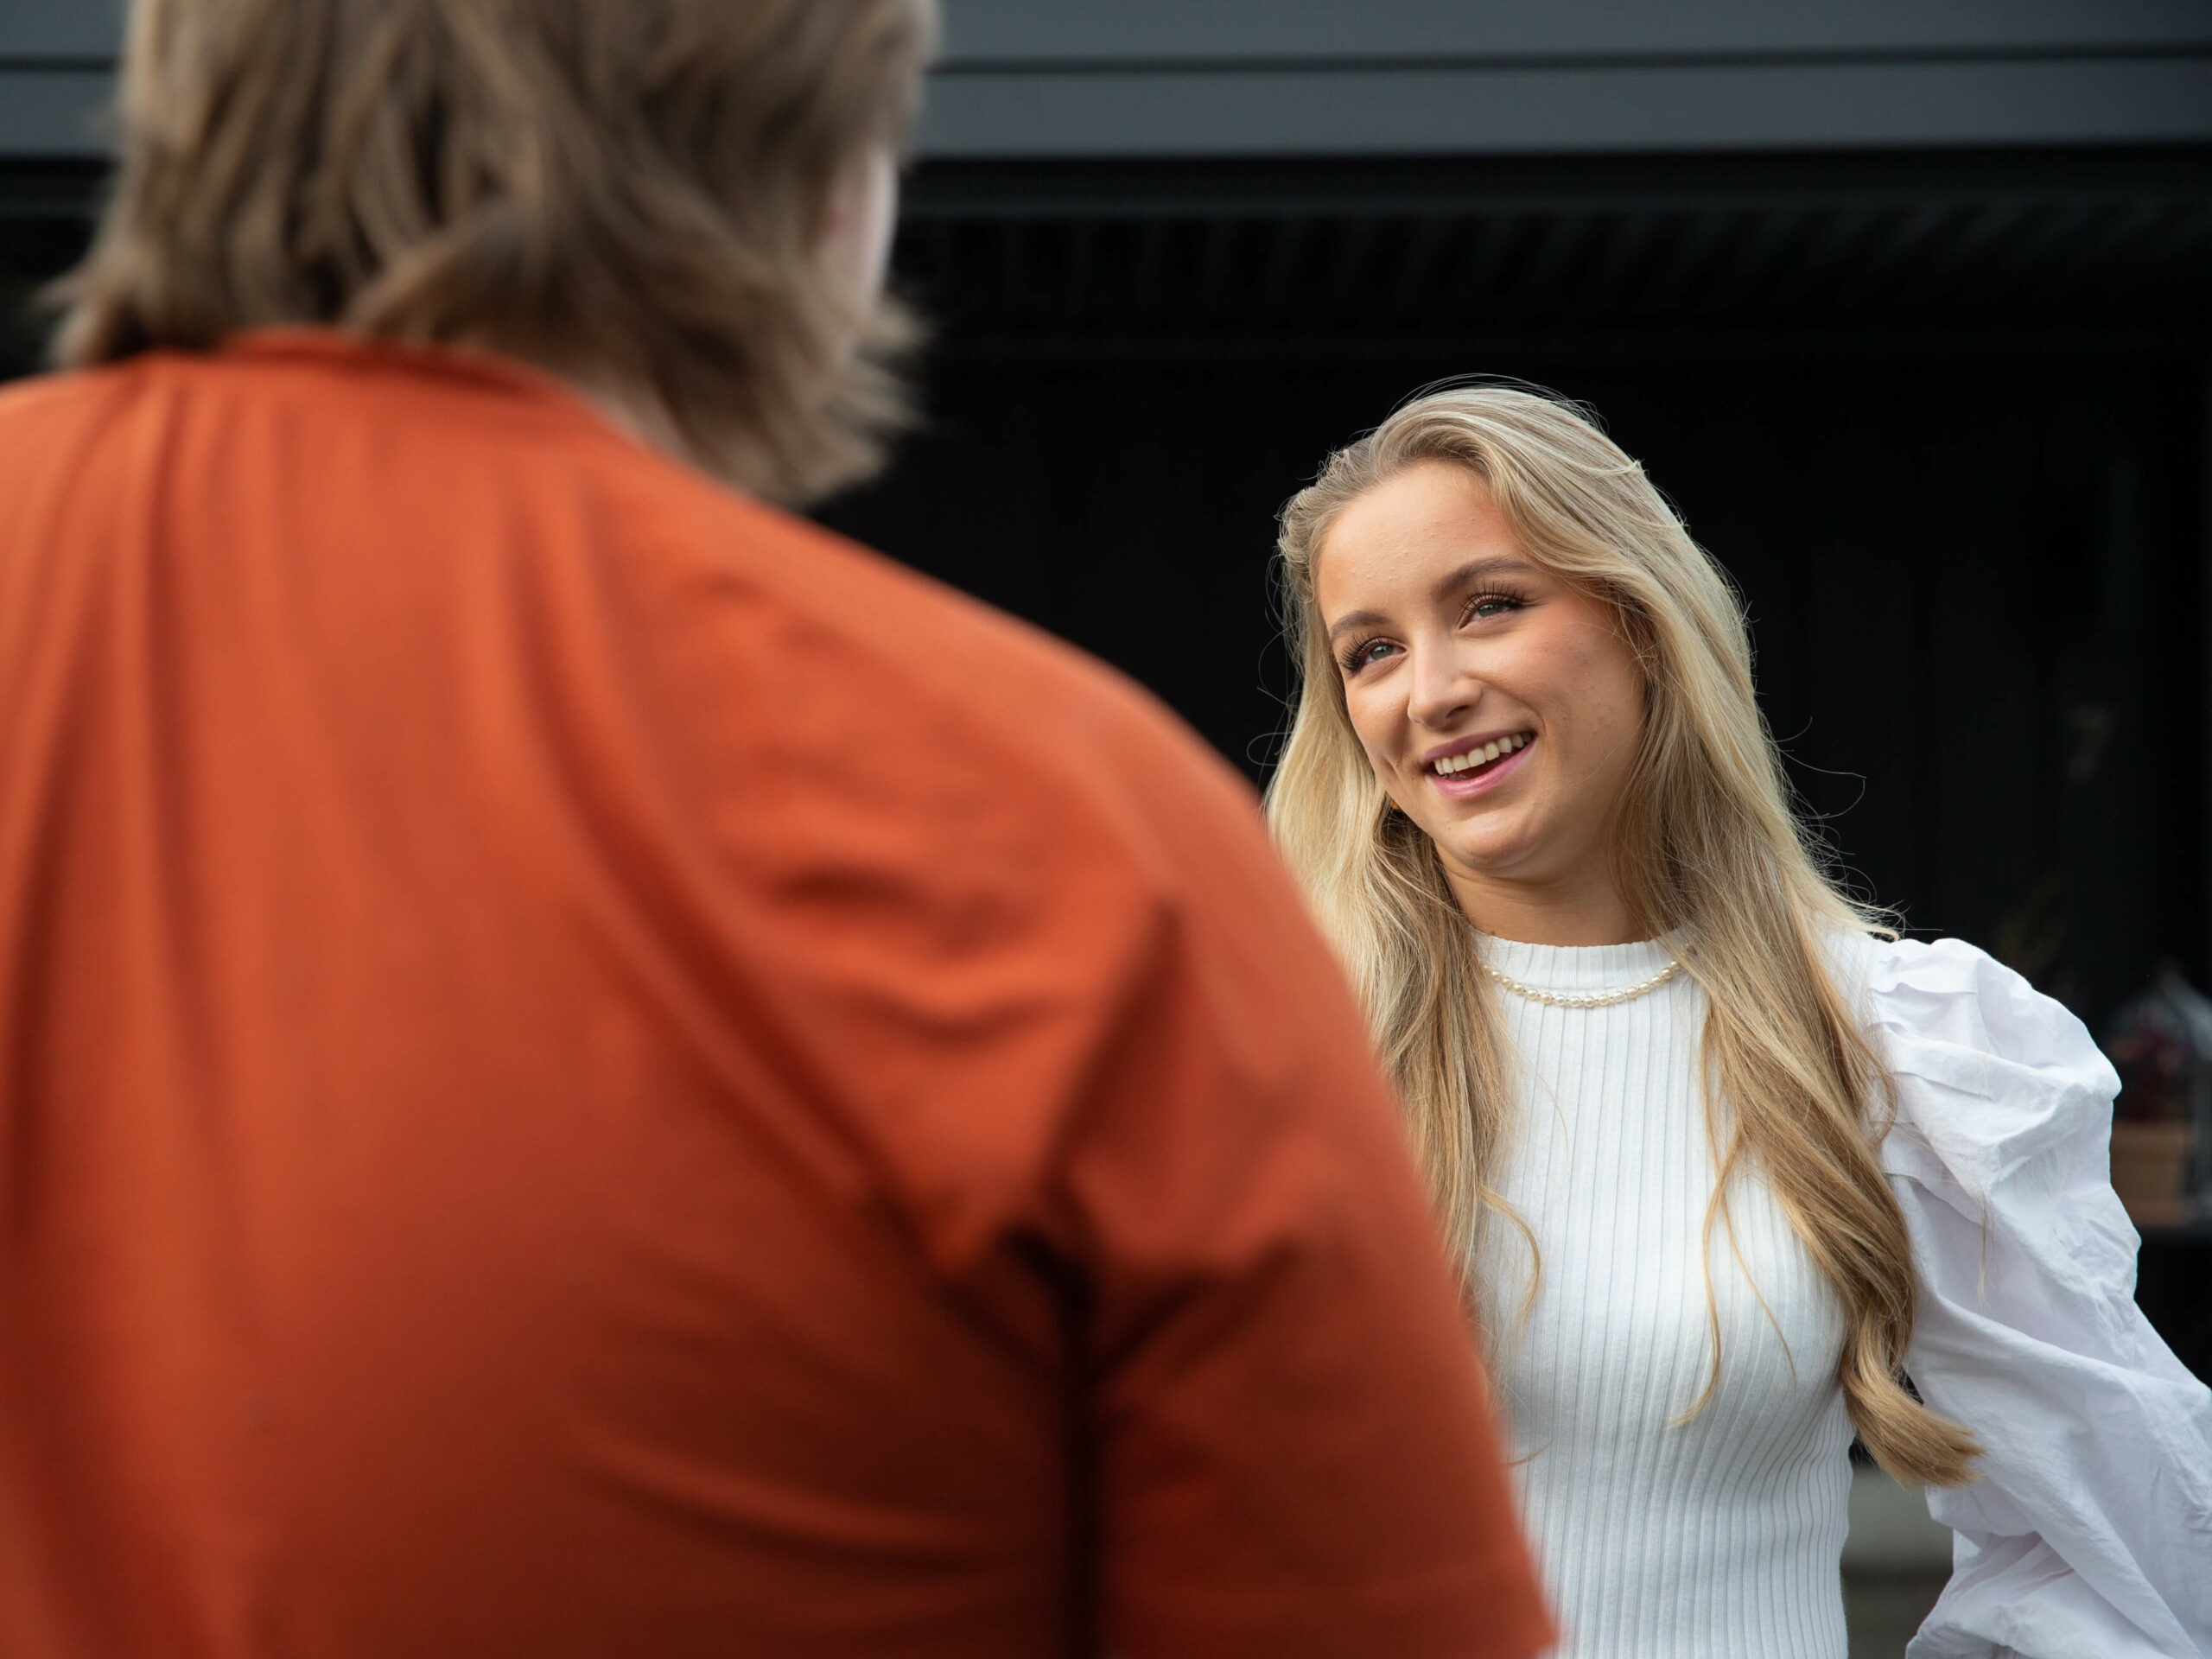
(1457, 763)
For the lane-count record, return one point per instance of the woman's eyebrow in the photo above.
(1481, 571)
(1473, 571)
(1351, 619)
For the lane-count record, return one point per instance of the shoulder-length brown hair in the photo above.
(629, 192)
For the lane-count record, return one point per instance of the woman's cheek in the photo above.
(1383, 773)
(1363, 725)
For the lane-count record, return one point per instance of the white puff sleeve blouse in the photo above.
(2089, 1532)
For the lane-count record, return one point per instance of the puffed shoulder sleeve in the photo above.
(2090, 1529)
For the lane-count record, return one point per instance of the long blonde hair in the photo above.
(1710, 851)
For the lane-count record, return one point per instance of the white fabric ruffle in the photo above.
(2089, 1531)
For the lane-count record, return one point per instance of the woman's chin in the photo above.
(1488, 850)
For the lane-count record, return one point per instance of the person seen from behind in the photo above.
(586, 1069)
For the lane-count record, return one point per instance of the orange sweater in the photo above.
(587, 1069)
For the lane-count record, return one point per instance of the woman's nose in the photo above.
(1441, 691)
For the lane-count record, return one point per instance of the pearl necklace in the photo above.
(1593, 999)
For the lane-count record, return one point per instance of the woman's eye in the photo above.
(1365, 656)
(1492, 605)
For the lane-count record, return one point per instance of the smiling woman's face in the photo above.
(1499, 706)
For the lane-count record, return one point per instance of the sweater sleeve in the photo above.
(2089, 1527)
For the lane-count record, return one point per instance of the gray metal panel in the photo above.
(1508, 112)
(59, 29)
(1132, 78)
(51, 113)
(1130, 31)
(1110, 31)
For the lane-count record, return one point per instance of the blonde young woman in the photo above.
(1726, 1164)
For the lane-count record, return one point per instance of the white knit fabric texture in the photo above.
(1720, 1538)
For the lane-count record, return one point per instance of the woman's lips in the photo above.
(1480, 780)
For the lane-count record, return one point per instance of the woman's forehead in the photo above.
(1402, 539)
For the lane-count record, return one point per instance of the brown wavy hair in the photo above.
(1712, 854)
(631, 192)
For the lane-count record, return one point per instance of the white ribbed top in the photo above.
(1721, 1538)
